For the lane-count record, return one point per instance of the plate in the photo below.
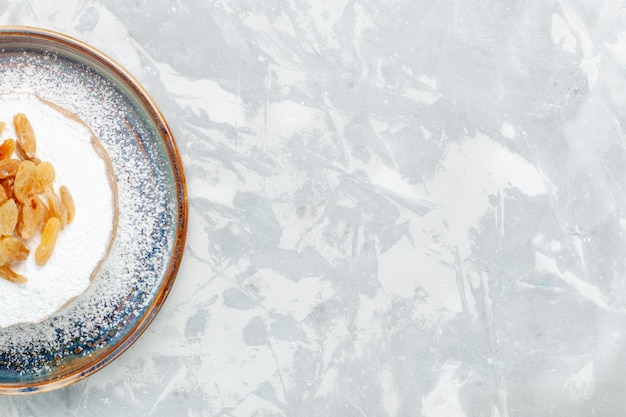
(137, 275)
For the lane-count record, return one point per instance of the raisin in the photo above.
(45, 175)
(8, 218)
(25, 135)
(14, 249)
(10, 275)
(48, 240)
(7, 148)
(25, 181)
(68, 202)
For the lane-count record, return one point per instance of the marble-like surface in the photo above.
(397, 208)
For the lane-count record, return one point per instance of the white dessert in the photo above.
(82, 165)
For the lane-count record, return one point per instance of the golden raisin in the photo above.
(32, 217)
(7, 148)
(48, 240)
(25, 181)
(25, 135)
(56, 206)
(3, 195)
(7, 184)
(8, 218)
(14, 249)
(45, 175)
(43, 213)
(68, 202)
(3, 257)
(9, 167)
(10, 275)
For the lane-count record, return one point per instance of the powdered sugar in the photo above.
(67, 144)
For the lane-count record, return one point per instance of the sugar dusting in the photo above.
(67, 144)
(132, 273)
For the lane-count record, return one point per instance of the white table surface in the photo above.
(397, 208)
